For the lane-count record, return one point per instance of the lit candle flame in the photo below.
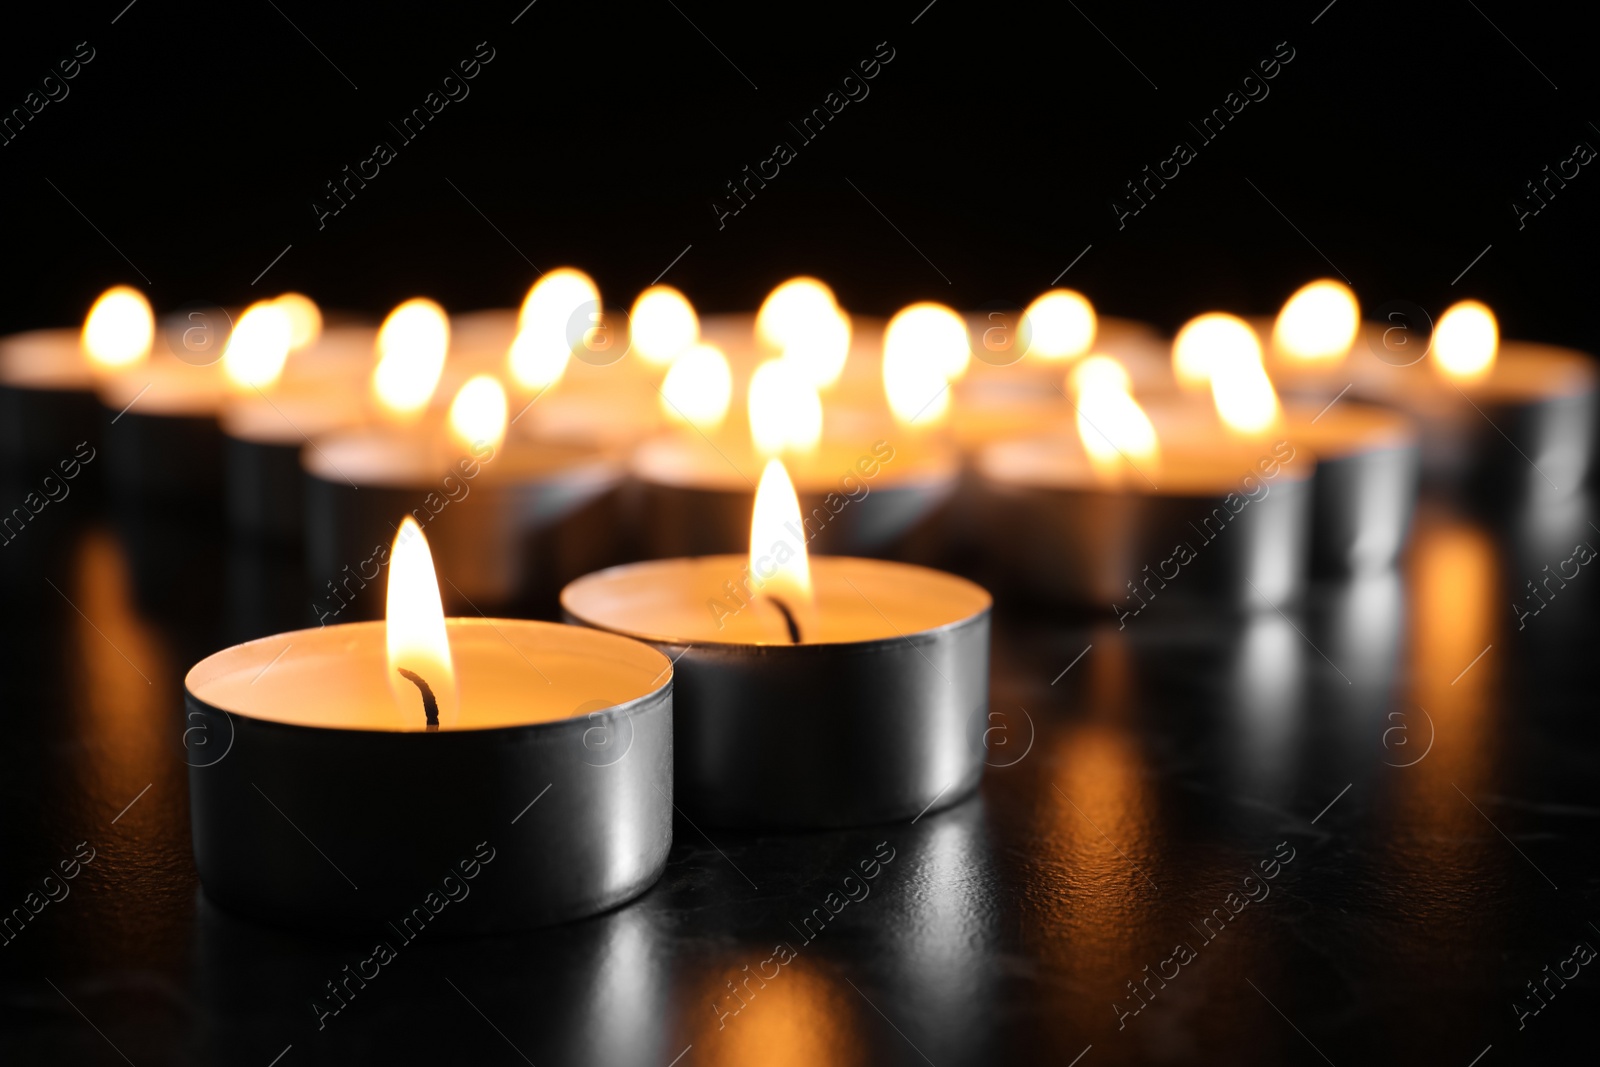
(478, 413)
(663, 324)
(778, 558)
(1205, 339)
(305, 319)
(698, 388)
(1318, 323)
(1060, 324)
(418, 644)
(120, 329)
(258, 347)
(1466, 342)
(412, 344)
(560, 312)
(538, 359)
(1243, 394)
(925, 348)
(820, 347)
(788, 311)
(785, 411)
(1115, 431)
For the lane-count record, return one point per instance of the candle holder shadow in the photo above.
(344, 828)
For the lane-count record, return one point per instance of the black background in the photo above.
(1160, 762)
(601, 134)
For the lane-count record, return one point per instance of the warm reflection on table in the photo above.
(1428, 764)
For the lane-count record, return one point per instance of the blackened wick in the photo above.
(430, 703)
(788, 619)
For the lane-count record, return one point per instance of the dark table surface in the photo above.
(1415, 771)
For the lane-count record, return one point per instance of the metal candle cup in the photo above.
(1525, 431)
(695, 499)
(315, 803)
(1365, 486)
(876, 714)
(263, 437)
(484, 510)
(47, 403)
(1220, 526)
(162, 435)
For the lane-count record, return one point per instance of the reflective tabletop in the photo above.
(1362, 830)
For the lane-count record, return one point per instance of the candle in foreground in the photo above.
(812, 691)
(487, 774)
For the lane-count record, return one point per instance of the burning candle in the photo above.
(1014, 385)
(1120, 516)
(813, 691)
(289, 383)
(47, 378)
(493, 504)
(571, 380)
(1310, 341)
(866, 492)
(1496, 415)
(364, 771)
(162, 401)
(1365, 483)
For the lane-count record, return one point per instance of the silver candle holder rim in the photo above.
(775, 647)
(658, 695)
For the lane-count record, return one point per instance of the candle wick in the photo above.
(430, 703)
(788, 619)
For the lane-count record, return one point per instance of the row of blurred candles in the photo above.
(1074, 433)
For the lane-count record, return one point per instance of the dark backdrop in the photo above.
(188, 153)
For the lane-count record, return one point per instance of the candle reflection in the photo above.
(799, 1018)
(1437, 835)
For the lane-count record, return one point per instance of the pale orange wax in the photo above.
(1192, 463)
(45, 359)
(727, 461)
(409, 457)
(509, 672)
(688, 601)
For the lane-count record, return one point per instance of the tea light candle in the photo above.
(1367, 458)
(812, 691)
(1497, 416)
(47, 378)
(1308, 345)
(363, 772)
(489, 502)
(290, 384)
(1119, 517)
(860, 492)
